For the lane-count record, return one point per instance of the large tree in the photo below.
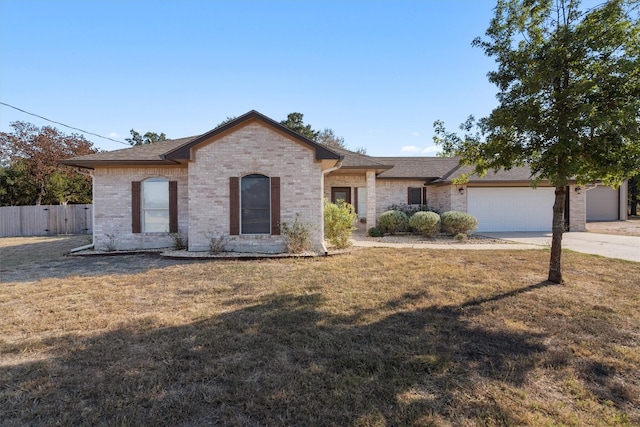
(569, 98)
(30, 153)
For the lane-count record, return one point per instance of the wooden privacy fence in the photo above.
(45, 220)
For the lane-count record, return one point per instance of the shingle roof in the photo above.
(171, 152)
(141, 154)
(436, 169)
(516, 174)
(418, 167)
(353, 160)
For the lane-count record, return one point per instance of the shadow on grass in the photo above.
(283, 361)
(279, 362)
(62, 267)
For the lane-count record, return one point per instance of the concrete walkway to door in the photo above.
(607, 245)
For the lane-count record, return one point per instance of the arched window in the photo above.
(155, 205)
(255, 204)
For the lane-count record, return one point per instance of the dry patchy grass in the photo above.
(374, 338)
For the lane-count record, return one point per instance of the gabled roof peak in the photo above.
(184, 151)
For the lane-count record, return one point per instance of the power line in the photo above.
(62, 124)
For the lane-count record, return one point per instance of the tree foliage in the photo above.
(634, 195)
(30, 173)
(326, 136)
(295, 122)
(569, 98)
(147, 138)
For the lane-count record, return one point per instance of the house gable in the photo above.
(216, 170)
(186, 151)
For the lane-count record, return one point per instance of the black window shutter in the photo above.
(136, 225)
(173, 206)
(275, 205)
(234, 206)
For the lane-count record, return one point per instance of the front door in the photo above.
(340, 193)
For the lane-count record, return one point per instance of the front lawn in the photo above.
(374, 338)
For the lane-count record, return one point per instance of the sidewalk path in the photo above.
(607, 245)
(443, 246)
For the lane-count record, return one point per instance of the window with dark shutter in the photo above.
(173, 206)
(136, 220)
(255, 204)
(414, 196)
(275, 205)
(234, 206)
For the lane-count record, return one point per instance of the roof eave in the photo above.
(92, 164)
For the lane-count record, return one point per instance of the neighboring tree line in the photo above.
(29, 173)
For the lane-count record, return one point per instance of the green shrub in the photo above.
(375, 232)
(297, 236)
(460, 237)
(394, 221)
(454, 222)
(410, 210)
(339, 219)
(427, 223)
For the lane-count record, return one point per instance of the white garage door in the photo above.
(511, 209)
(603, 204)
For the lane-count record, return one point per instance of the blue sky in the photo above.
(377, 72)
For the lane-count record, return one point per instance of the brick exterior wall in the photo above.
(112, 207)
(253, 149)
(394, 191)
(438, 197)
(577, 209)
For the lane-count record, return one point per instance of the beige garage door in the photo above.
(603, 204)
(511, 208)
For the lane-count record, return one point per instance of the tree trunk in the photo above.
(555, 265)
(39, 194)
(633, 191)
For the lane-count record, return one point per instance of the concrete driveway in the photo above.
(607, 245)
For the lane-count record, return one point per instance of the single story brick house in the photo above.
(242, 180)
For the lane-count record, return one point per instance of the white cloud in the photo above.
(415, 134)
(409, 149)
(113, 135)
(430, 150)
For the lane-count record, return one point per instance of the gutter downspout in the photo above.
(324, 175)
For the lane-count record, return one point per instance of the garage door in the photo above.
(603, 204)
(511, 209)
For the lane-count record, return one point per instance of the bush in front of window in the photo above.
(426, 223)
(410, 210)
(297, 236)
(454, 222)
(339, 219)
(393, 222)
